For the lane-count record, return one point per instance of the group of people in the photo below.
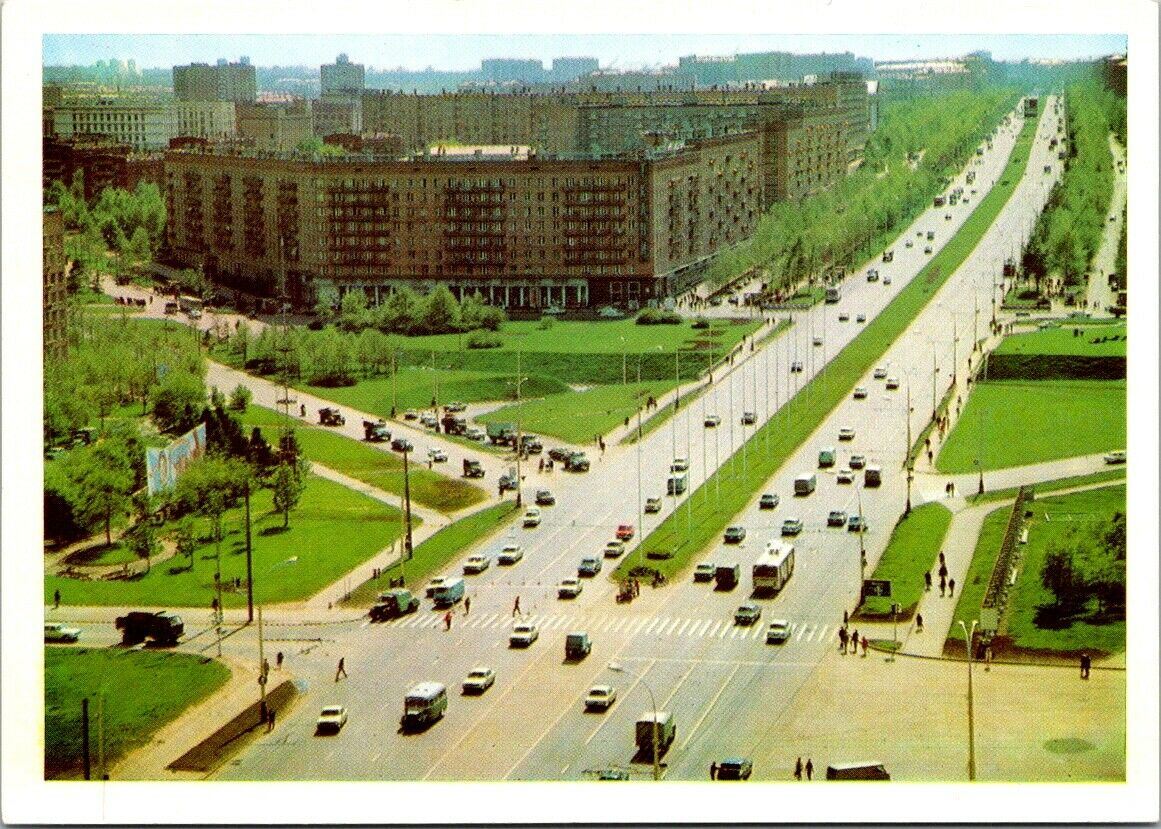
(851, 639)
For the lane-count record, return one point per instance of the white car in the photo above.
(846, 433)
(523, 634)
(858, 461)
(845, 476)
(569, 588)
(844, 316)
(892, 383)
(532, 517)
(59, 632)
(436, 455)
(886, 280)
(600, 696)
(712, 420)
(331, 720)
(880, 373)
(511, 554)
(614, 548)
(479, 680)
(1119, 456)
(428, 419)
(818, 340)
(860, 392)
(438, 581)
(476, 564)
(679, 465)
(777, 631)
(477, 433)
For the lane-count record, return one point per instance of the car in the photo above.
(892, 383)
(880, 373)
(545, 498)
(844, 476)
(856, 524)
(625, 532)
(836, 518)
(652, 505)
(476, 564)
(1119, 456)
(679, 465)
(455, 406)
(735, 768)
(532, 517)
(589, 566)
(712, 420)
(844, 316)
(600, 696)
(614, 548)
(476, 433)
(927, 249)
(768, 501)
(860, 318)
(60, 632)
(735, 534)
(428, 419)
(887, 280)
(909, 244)
(523, 634)
(402, 445)
(438, 581)
(873, 275)
(817, 341)
(791, 526)
(411, 414)
(747, 614)
(331, 720)
(777, 631)
(479, 680)
(510, 554)
(749, 418)
(860, 393)
(796, 367)
(858, 461)
(704, 571)
(846, 433)
(559, 454)
(436, 455)
(569, 588)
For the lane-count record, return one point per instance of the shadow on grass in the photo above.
(96, 553)
(274, 531)
(1055, 617)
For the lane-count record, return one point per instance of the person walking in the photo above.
(927, 581)
(447, 617)
(714, 770)
(942, 567)
(919, 623)
(809, 769)
(865, 643)
(56, 599)
(467, 605)
(942, 585)
(269, 720)
(1085, 665)
(843, 640)
(798, 769)
(278, 660)
(846, 618)
(341, 671)
(951, 587)
(855, 642)
(516, 607)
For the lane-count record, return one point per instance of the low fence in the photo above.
(1001, 582)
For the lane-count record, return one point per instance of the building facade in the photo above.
(55, 295)
(276, 127)
(141, 125)
(236, 82)
(525, 231)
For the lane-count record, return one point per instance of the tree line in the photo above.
(1087, 564)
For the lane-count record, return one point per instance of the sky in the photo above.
(619, 51)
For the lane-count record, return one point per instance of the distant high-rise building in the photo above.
(512, 69)
(237, 82)
(342, 76)
(569, 69)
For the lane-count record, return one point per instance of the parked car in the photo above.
(777, 631)
(747, 614)
(1119, 456)
(428, 419)
(60, 632)
(559, 454)
(846, 433)
(511, 554)
(791, 526)
(476, 564)
(735, 534)
(860, 392)
(411, 414)
(532, 517)
(545, 498)
(436, 455)
(704, 571)
(569, 588)
(589, 566)
(836, 518)
(856, 524)
(331, 720)
(858, 461)
(600, 697)
(479, 680)
(652, 505)
(455, 406)
(844, 476)
(614, 548)
(712, 421)
(523, 634)
(625, 532)
(768, 501)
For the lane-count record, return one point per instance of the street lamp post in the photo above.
(862, 548)
(910, 459)
(640, 514)
(615, 666)
(624, 369)
(970, 635)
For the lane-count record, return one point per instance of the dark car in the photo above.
(735, 768)
(402, 445)
(768, 501)
(559, 454)
(735, 534)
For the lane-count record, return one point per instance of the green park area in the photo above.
(376, 467)
(670, 547)
(912, 551)
(1073, 417)
(112, 679)
(1093, 340)
(332, 530)
(1038, 621)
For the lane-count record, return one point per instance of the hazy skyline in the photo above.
(459, 52)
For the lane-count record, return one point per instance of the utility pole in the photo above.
(249, 557)
(910, 459)
(519, 483)
(263, 673)
(406, 506)
(970, 636)
(85, 736)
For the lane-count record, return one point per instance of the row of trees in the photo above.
(796, 241)
(406, 312)
(1068, 232)
(1087, 564)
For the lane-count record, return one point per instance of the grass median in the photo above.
(1043, 487)
(680, 538)
(915, 542)
(131, 695)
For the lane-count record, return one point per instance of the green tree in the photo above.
(1059, 573)
(441, 312)
(241, 340)
(471, 311)
(178, 401)
(208, 487)
(400, 314)
(143, 542)
(353, 313)
(185, 540)
(138, 249)
(287, 484)
(327, 300)
(103, 477)
(240, 398)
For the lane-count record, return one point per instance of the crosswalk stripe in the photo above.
(757, 631)
(652, 624)
(822, 632)
(704, 627)
(801, 630)
(714, 626)
(618, 626)
(725, 629)
(683, 627)
(636, 627)
(671, 627)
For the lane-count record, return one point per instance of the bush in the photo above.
(653, 316)
(484, 339)
(240, 398)
(700, 323)
(1028, 293)
(545, 323)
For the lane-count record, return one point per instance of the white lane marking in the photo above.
(671, 627)
(822, 632)
(683, 627)
(618, 626)
(484, 621)
(365, 623)
(704, 627)
(716, 624)
(801, 630)
(710, 707)
(725, 629)
(652, 624)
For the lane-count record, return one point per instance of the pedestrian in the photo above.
(341, 671)
(987, 657)
(269, 720)
(951, 587)
(865, 643)
(942, 560)
(467, 605)
(302, 410)
(56, 598)
(516, 607)
(855, 642)
(942, 584)
(919, 623)
(278, 660)
(929, 456)
(541, 469)
(927, 581)
(809, 769)
(713, 770)
(1085, 665)
(942, 569)
(843, 640)
(447, 617)
(846, 618)
(798, 769)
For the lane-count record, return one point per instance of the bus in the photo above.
(424, 704)
(774, 567)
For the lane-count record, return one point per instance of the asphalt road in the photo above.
(725, 686)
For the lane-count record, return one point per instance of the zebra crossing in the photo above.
(661, 626)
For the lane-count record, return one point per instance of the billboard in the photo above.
(163, 466)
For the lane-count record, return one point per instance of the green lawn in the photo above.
(1060, 341)
(789, 427)
(380, 469)
(576, 416)
(331, 531)
(975, 583)
(912, 551)
(136, 693)
(1114, 474)
(1073, 417)
(433, 555)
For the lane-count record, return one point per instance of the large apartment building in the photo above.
(525, 230)
(236, 82)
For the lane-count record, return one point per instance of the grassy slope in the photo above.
(912, 551)
(1060, 341)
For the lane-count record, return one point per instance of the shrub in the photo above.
(240, 398)
(654, 316)
(484, 339)
(700, 323)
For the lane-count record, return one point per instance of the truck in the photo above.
(162, 627)
(392, 604)
(833, 294)
(330, 416)
(502, 434)
(872, 476)
(448, 593)
(804, 484)
(677, 484)
(473, 469)
(376, 431)
(453, 424)
(655, 727)
(727, 576)
(577, 645)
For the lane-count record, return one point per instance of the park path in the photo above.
(1099, 295)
